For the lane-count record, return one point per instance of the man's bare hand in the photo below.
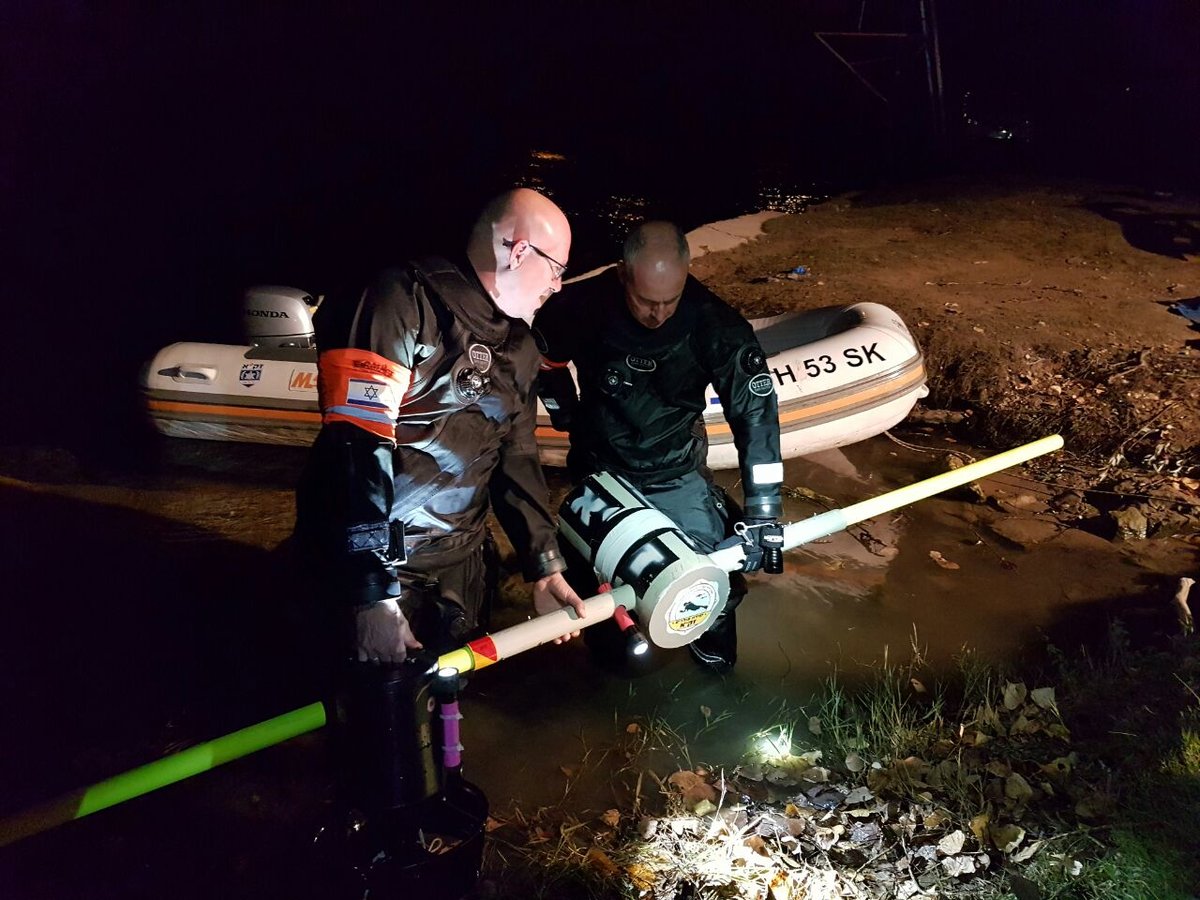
(384, 635)
(552, 593)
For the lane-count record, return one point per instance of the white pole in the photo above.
(543, 629)
(536, 631)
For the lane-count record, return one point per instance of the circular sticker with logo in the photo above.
(692, 607)
(480, 356)
(761, 385)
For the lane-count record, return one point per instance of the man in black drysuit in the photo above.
(427, 393)
(646, 339)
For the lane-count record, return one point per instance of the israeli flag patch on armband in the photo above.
(368, 394)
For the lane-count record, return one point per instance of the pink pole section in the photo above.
(451, 746)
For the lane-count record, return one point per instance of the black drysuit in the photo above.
(458, 433)
(641, 398)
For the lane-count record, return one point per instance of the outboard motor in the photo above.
(680, 592)
(276, 316)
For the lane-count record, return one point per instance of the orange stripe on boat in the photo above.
(241, 412)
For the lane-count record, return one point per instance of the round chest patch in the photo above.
(761, 385)
(480, 356)
(641, 363)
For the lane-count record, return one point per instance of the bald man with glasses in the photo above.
(426, 393)
(428, 403)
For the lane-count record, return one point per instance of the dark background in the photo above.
(156, 159)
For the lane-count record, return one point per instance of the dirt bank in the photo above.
(1040, 309)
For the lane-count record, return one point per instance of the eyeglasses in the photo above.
(556, 268)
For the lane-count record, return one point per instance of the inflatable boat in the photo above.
(842, 374)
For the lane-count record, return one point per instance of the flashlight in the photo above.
(635, 642)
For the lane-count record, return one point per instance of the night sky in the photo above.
(156, 159)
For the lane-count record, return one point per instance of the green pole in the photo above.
(162, 772)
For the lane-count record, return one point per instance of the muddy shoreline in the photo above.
(1040, 309)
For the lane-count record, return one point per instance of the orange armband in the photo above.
(361, 388)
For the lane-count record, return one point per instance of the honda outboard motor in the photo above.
(275, 316)
(679, 590)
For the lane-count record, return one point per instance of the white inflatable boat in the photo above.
(842, 374)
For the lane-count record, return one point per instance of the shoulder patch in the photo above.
(539, 340)
(761, 386)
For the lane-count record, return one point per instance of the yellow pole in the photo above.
(836, 520)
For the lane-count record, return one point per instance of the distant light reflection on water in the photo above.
(603, 204)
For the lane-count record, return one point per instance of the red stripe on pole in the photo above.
(484, 647)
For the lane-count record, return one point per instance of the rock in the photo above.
(937, 416)
(1166, 522)
(1072, 505)
(1026, 503)
(864, 832)
(1131, 523)
(1078, 539)
(773, 825)
(1025, 532)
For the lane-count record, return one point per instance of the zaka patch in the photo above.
(251, 374)
(692, 608)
